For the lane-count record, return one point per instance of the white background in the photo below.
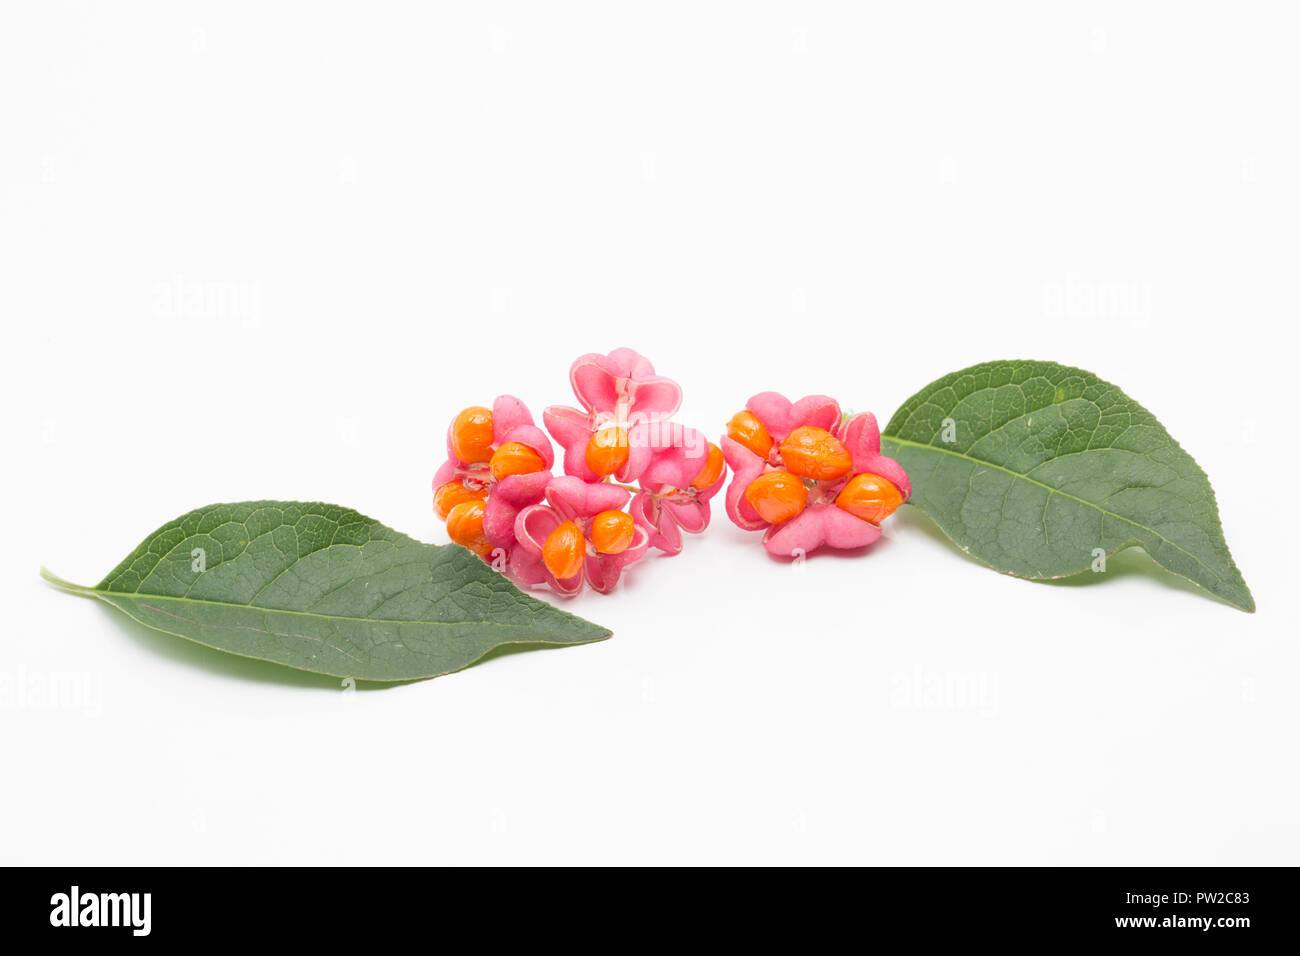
(267, 251)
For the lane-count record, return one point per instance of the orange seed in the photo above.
(471, 434)
(815, 453)
(515, 458)
(612, 532)
(453, 493)
(870, 498)
(465, 527)
(746, 429)
(607, 450)
(777, 496)
(712, 469)
(563, 552)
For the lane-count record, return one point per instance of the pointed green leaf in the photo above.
(325, 589)
(1038, 469)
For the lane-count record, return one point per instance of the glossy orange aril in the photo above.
(746, 429)
(465, 527)
(712, 469)
(870, 498)
(471, 434)
(453, 493)
(515, 458)
(815, 453)
(612, 532)
(564, 551)
(777, 496)
(607, 450)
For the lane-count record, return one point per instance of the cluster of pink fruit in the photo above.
(634, 479)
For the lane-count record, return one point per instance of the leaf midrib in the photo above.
(1056, 491)
(106, 595)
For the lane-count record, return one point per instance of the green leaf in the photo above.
(325, 589)
(1031, 467)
